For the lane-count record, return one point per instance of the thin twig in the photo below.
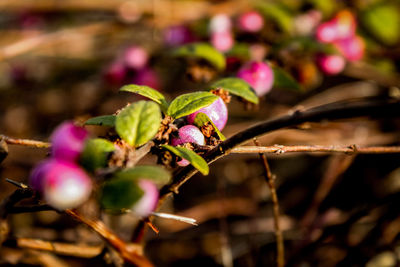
(270, 179)
(24, 142)
(81, 251)
(280, 149)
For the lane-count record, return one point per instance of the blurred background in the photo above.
(66, 60)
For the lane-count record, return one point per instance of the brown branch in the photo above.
(81, 251)
(24, 142)
(335, 111)
(270, 179)
(127, 252)
(280, 149)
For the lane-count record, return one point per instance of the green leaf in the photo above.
(383, 21)
(155, 173)
(148, 92)
(138, 122)
(202, 118)
(198, 162)
(121, 193)
(95, 154)
(278, 13)
(188, 103)
(204, 51)
(237, 86)
(106, 120)
(282, 79)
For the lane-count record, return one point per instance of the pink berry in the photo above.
(326, 32)
(147, 76)
(222, 41)
(135, 57)
(188, 134)
(345, 24)
(63, 184)
(177, 35)
(351, 48)
(37, 174)
(68, 141)
(251, 22)
(305, 23)
(148, 202)
(259, 75)
(331, 64)
(220, 23)
(216, 111)
(116, 72)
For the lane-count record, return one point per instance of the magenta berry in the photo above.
(259, 75)
(63, 184)
(68, 141)
(216, 111)
(177, 35)
(345, 24)
(135, 57)
(351, 48)
(326, 32)
(331, 64)
(148, 202)
(147, 76)
(115, 73)
(305, 23)
(222, 41)
(251, 22)
(38, 173)
(188, 134)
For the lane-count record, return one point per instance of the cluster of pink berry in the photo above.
(132, 67)
(221, 32)
(340, 31)
(218, 114)
(60, 179)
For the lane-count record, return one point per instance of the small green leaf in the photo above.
(155, 173)
(237, 86)
(148, 92)
(383, 21)
(138, 122)
(118, 194)
(204, 51)
(198, 162)
(95, 154)
(202, 118)
(106, 120)
(278, 13)
(188, 103)
(282, 79)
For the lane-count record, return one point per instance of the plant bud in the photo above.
(68, 141)
(259, 75)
